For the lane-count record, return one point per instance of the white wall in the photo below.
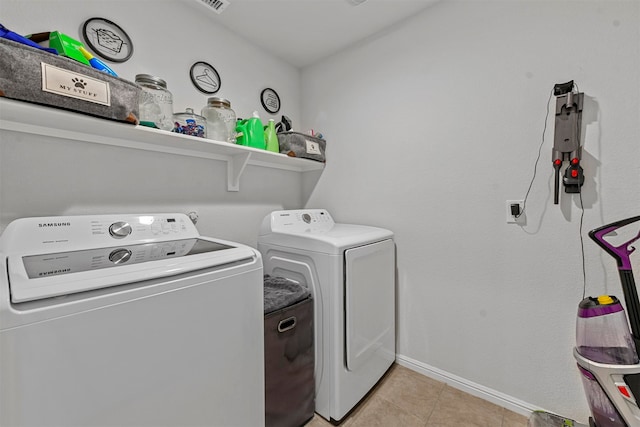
(46, 178)
(168, 37)
(432, 126)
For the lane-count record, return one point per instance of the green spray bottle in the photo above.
(271, 137)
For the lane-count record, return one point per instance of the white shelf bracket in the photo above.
(235, 167)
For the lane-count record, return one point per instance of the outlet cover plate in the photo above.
(510, 218)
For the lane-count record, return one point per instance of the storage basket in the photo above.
(296, 144)
(33, 75)
(289, 353)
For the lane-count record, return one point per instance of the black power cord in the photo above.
(535, 166)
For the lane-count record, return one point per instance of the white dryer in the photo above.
(350, 270)
(128, 320)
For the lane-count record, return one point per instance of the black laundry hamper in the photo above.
(288, 352)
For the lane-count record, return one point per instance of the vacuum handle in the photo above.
(633, 304)
(556, 187)
(620, 253)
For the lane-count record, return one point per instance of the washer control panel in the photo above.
(142, 227)
(301, 221)
(65, 233)
(120, 229)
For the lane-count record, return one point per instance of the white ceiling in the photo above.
(303, 32)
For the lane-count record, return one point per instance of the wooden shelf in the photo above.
(34, 119)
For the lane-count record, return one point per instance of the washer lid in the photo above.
(315, 230)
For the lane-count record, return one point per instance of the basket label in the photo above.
(313, 147)
(73, 85)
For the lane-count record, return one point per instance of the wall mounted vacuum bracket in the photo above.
(566, 143)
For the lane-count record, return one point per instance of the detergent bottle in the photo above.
(250, 132)
(271, 137)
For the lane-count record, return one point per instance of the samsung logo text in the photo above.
(54, 224)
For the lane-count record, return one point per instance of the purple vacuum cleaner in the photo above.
(606, 349)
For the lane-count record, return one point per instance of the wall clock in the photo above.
(270, 100)
(107, 39)
(205, 78)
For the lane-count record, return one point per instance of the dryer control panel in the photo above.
(301, 221)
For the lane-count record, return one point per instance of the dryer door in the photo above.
(370, 303)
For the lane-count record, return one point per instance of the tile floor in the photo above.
(404, 398)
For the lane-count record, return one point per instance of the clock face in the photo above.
(107, 39)
(270, 100)
(205, 78)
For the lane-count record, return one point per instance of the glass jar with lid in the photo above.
(156, 102)
(189, 123)
(221, 120)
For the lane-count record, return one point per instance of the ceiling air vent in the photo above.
(218, 6)
(356, 2)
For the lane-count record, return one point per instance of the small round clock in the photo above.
(107, 39)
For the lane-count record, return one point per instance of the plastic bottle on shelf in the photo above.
(95, 62)
(251, 132)
(271, 137)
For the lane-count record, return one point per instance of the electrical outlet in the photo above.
(511, 218)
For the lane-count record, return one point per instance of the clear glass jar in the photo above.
(156, 102)
(189, 123)
(221, 120)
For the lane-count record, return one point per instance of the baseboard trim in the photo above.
(493, 396)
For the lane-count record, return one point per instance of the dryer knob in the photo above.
(120, 256)
(120, 229)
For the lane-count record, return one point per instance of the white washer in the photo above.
(350, 269)
(128, 320)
